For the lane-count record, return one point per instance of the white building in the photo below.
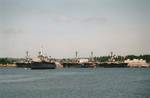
(136, 63)
(83, 60)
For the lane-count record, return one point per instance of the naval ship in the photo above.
(79, 62)
(112, 63)
(39, 62)
(42, 62)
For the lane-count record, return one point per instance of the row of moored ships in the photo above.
(43, 62)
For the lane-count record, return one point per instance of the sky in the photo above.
(61, 27)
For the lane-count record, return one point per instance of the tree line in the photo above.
(6, 61)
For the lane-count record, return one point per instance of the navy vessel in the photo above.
(79, 62)
(42, 62)
(39, 62)
(112, 63)
(42, 65)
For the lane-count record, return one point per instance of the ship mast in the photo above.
(76, 53)
(27, 56)
(92, 59)
(40, 54)
(76, 56)
(112, 57)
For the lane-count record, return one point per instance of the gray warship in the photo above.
(112, 63)
(42, 62)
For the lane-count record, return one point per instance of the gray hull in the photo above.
(23, 65)
(42, 65)
(112, 65)
(78, 65)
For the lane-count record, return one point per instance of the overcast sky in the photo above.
(62, 27)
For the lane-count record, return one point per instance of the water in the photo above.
(75, 83)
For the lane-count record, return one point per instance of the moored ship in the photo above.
(42, 65)
(79, 62)
(42, 62)
(39, 62)
(112, 63)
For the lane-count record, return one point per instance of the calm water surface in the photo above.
(75, 83)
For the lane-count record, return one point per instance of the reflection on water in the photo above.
(75, 83)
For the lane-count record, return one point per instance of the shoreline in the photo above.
(7, 65)
(14, 66)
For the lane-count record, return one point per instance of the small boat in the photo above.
(88, 65)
